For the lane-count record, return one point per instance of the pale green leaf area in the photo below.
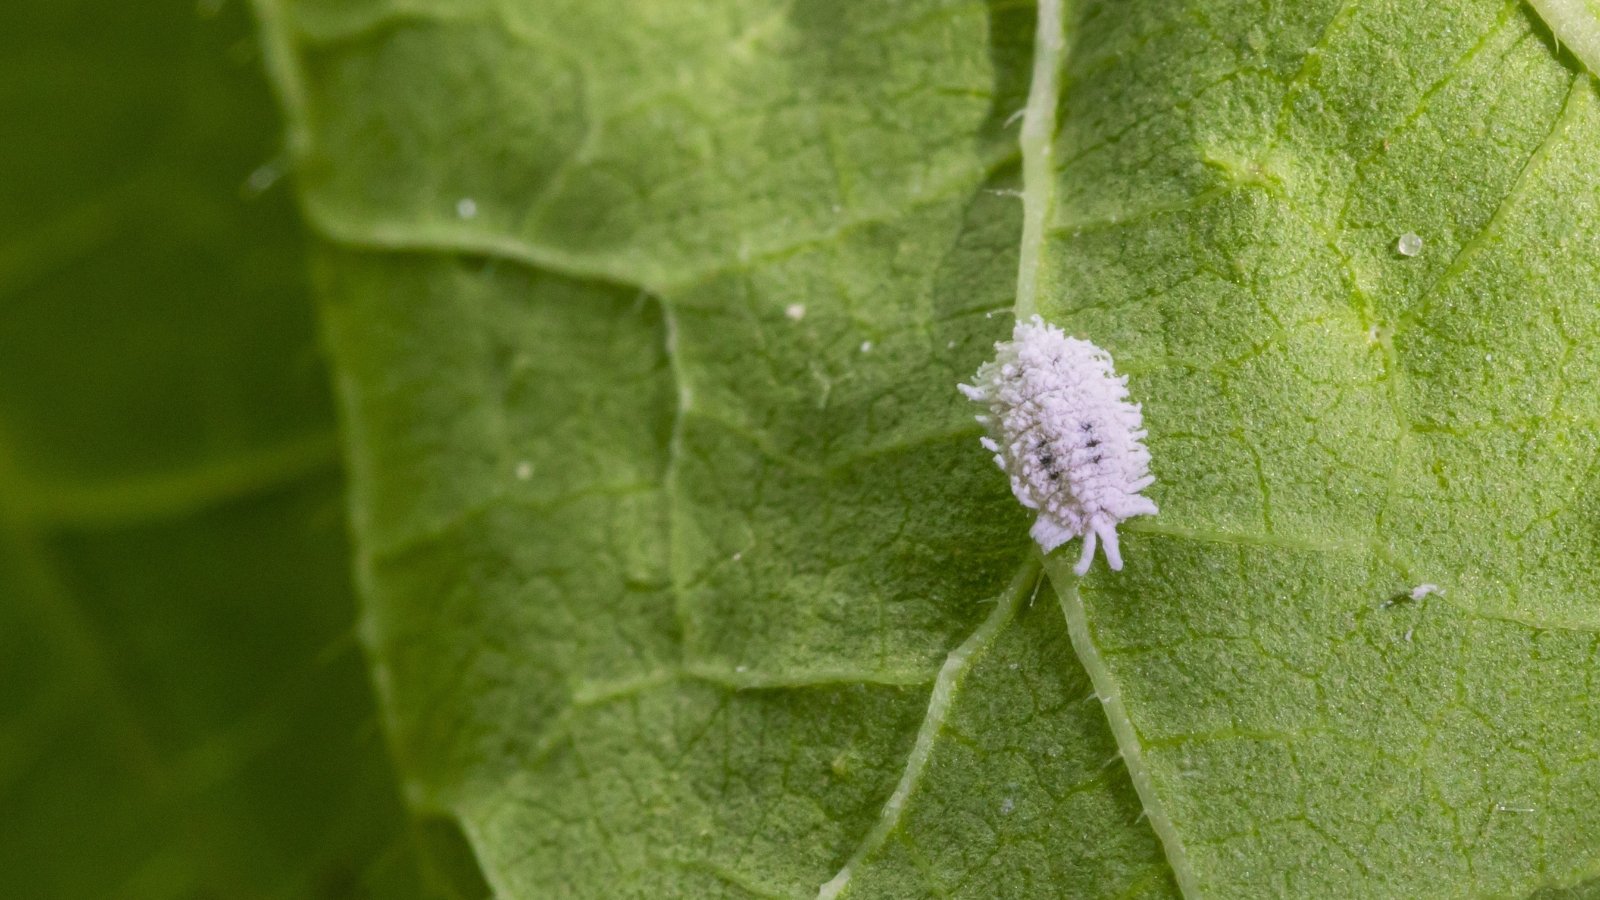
(184, 710)
(1335, 423)
(684, 574)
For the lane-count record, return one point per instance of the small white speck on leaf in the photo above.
(738, 555)
(1410, 244)
(949, 345)
(866, 346)
(1507, 807)
(1007, 805)
(1061, 426)
(524, 471)
(1424, 590)
(741, 669)
(467, 208)
(262, 179)
(795, 311)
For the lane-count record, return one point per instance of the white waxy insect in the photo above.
(1061, 426)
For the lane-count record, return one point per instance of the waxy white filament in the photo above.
(1061, 426)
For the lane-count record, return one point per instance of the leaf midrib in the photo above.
(1038, 200)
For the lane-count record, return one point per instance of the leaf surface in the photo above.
(686, 576)
(1337, 423)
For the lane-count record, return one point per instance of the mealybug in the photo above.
(1061, 426)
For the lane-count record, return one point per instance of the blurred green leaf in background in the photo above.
(183, 708)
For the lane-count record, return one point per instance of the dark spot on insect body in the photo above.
(1092, 443)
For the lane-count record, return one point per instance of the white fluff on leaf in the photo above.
(1061, 426)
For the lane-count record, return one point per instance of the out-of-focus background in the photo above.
(184, 710)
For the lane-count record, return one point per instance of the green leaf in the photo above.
(183, 709)
(686, 575)
(1336, 423)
